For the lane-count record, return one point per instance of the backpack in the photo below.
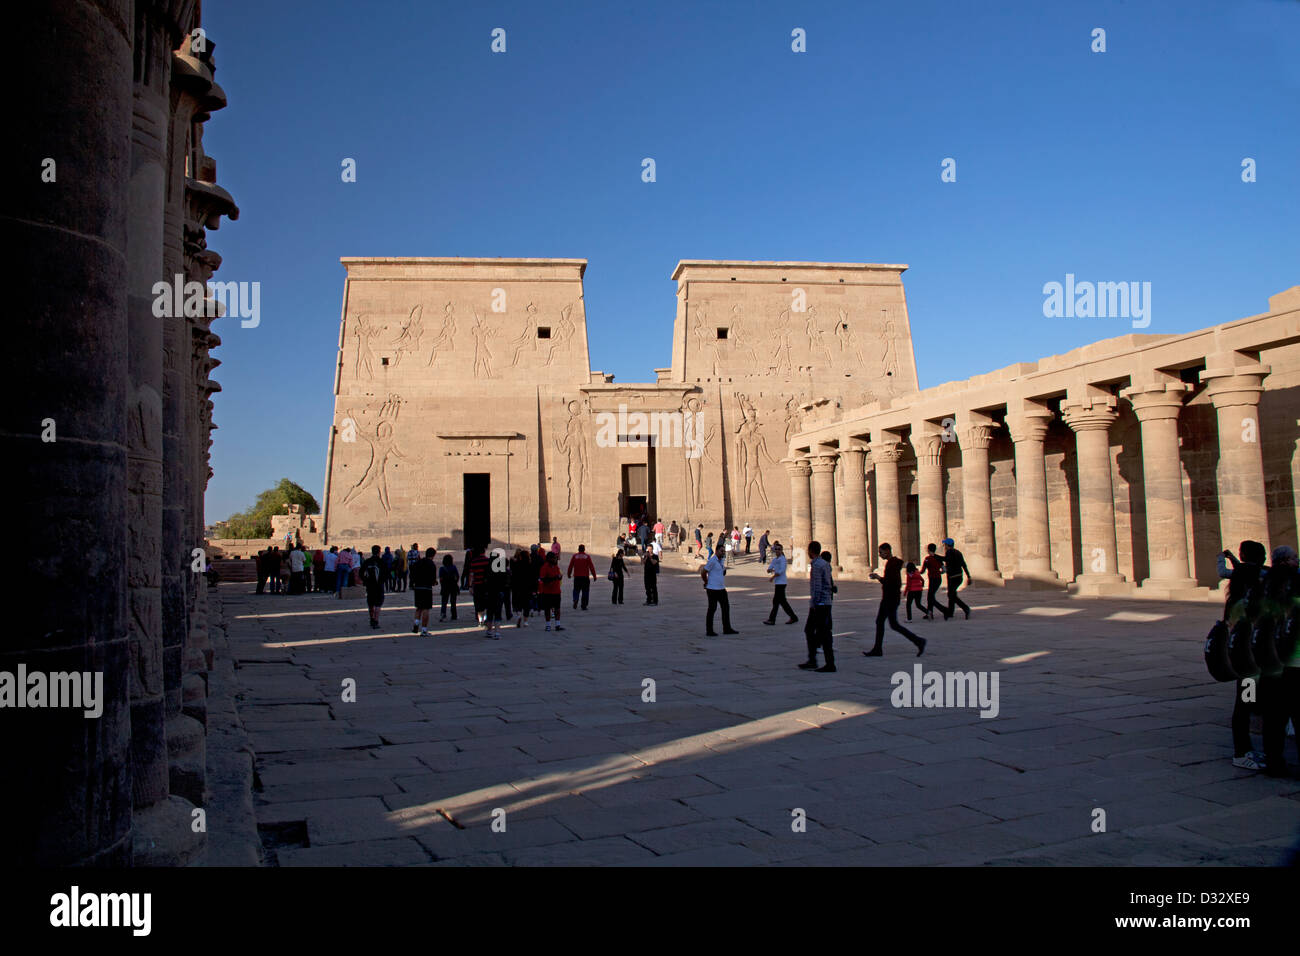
(370, 574)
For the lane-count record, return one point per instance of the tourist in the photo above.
(283, 581)
(386, 565)
(330, 575)
(749, 536)
(536, 557)
(318, 570)
(523, 585)
(555, 549)
(674, 535)
(659, 532)
(1280, 695)
(954, 566)
(423, 575)
(1243, 600)
(643, 534)
(933, 568)
(714, 575)
(735, 540)
(399, 569)
(651, 567)
(777, 570)
(550, 581)
(273, 568)
(372, 578)
(699, 541)
(582, 569)
(464, 569)
(763, 547)
(448, 586)
(259, 566)
(818, 628)
(617, 571)
(915, 584)
(342, 570)
(498, 593)
(414, 555)
(479, 565)
(296, 561)
(708, 544)
(891, 588)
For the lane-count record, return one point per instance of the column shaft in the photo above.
(1033, 538)
(977, 504)
(823, 484)
(800, 506)
(852, 531)
(1090, 420)
(1243, 507)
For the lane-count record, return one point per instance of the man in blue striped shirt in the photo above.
(817, 629)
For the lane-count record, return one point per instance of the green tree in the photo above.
(256, 521)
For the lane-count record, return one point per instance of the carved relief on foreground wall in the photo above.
(573, 452)
(375, 425)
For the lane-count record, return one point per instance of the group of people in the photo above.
(300, 570)
(1259, 640)
(728, 542)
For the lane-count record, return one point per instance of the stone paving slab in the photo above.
(552, 729)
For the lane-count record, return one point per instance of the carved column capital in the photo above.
(928, 449)
(882, 451)
(823, 464)
(798, 467)
(1155, 401)
(1094, 413)
(1229, 386)
(1029, 426)
(977, 436)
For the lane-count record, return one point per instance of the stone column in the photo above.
(66, 798)
(1028, 425)
(800, 505)
(928, 447)
(1234, 391)
(1156, 401)
(886, 451)
(1090, 417)
(977, 504)
(823, 493)
(853, 529)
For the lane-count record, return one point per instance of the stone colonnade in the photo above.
(109, 428)
(834, 456)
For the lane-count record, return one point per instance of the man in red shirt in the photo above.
(582, 569)
(549, 582)
(933, 568)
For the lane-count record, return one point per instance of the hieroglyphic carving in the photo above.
(793, 417)
(408, 338)
(382, 447)
(779, 341)
(706, 342)
(364, 331)
(696, 449)
(739, 335)
(816, 336)
(573, 447)
(848, 338)
(527, 339)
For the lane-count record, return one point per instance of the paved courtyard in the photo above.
(1104, 705)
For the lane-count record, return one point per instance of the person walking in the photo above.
(582, 569)
(498, 593)
(549, 585)
(617, 572)
(762, 547)
(777, 570)
(817, 629)
(708, 544)
(448, 586)
(915, 583)
(477, 572)
(372, 578)
(735, 539)
(954, 564)
(699, 540)
(715, 587)
(423, 575)
(932, 566)
(651, 565)
(891, 589)
(659, 532)
(749, 536)
(523, 584)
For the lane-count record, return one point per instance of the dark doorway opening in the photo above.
(636, 490)
(478, 511)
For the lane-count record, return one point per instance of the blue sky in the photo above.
(1115, 166)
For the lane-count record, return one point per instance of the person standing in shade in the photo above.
(762, 547)
(651, 563)
(477, 568)
(617, 572)
(386, 565)
(777, 569)
(891, 589)
(549, 585)
(817, 629)
(400, 569)
(582, 569)
(714, 575)
(749, 536)
(423, 575)
(932, 567)
(372, 577)
(954, 566)
(523, 584)
(448, 586)
(498, 593)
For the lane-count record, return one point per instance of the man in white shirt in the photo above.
(749, 536)
(777, 570)
(331, 568)
(295, 570)
(715, 586)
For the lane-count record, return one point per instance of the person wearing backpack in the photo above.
(449, 585)
(1244, 591)
(372, 578)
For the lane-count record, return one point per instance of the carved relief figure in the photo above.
(848, 338)
(364, 331)
(483, 333)
(751, 448)
(793, 418)
(739, 336)
(408, 340)
(382, 448)
(816, 337)
(780, 342)
(574, 449)
(527, 339)
(561, 334)
(706, 341)
(445, 334)
(696, 448)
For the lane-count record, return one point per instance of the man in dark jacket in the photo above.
(423, 576)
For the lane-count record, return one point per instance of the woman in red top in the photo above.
(549, 582)
(915, 585)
